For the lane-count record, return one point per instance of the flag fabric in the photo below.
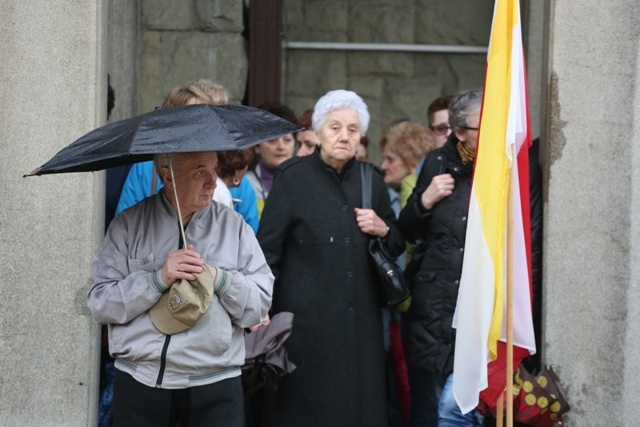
(497, 247)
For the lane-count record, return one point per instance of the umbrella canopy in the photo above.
(190, 128)
(266, 359)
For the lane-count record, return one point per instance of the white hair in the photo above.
(335, 100)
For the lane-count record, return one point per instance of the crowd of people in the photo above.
(280, 228)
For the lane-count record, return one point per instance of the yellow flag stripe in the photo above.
(491, 176)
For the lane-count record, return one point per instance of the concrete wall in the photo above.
(592, 332)
(52, 90)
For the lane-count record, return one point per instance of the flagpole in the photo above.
(500, 410)
(509, 369)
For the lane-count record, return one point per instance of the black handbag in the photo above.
(391, 275)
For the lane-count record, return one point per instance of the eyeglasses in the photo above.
(467, 128)
(440, 129)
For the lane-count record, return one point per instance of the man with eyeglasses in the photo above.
(438, 129)
(438, 119)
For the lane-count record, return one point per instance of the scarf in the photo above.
(267, 173)
(466, 155)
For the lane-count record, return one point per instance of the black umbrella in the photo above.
(266, 359)
(185, 129)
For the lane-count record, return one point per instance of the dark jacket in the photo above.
(324, 275)
(430, 336)
(535, 202)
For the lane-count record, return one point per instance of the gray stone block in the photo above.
(454, 22)
(408, 99)
(312, 74)
(123, 59)
(456, 72)
(293, 19)
(166, 14)
(152, 90)
(381, 22)
(173, 58)
(468, 69)
(371, 90)
(318, 21)
(300, 103)
(219, 16)
(380, 64)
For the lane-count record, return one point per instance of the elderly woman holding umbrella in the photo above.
(315, 238)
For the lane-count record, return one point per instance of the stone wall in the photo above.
(189, 40)
(123, 50)
(393, 84)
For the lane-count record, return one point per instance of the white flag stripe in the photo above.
(474, 311)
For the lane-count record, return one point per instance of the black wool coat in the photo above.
(324, 275)
(430, 338)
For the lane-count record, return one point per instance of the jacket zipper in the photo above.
(163, 360)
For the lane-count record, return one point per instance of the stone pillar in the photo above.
(533, 32)
(52, 90)
(591, 274)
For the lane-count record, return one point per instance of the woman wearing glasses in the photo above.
(435, 216)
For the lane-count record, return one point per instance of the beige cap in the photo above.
(184, 303)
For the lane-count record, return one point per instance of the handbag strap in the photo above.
(365, 173)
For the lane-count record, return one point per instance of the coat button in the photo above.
(349, 273)
(345, 207)
(347, 240)
(464, 218)
(461, 249)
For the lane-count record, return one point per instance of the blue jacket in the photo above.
(244, 202)
(138, 186)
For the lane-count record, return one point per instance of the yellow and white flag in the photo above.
(497, 247)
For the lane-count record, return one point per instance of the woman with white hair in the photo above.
(315, 237)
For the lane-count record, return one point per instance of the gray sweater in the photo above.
(127, 282)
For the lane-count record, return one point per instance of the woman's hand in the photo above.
(265, 322)
(441, 186)
(182, 264)
(370, 223)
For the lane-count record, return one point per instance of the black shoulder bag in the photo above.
(391, 274)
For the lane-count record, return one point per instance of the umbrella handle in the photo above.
(175, 194)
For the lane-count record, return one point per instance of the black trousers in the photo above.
(218, 404)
